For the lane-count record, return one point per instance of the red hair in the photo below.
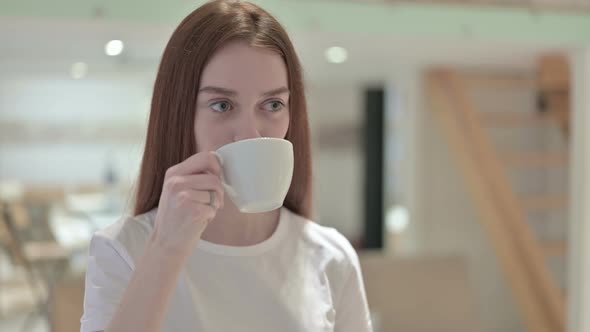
(170, 136)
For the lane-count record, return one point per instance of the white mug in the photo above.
(257, 172)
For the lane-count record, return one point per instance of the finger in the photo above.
(199, 182)
(197, 163)
(207, 197)
(204, 211)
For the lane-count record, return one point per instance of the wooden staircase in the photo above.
(533, 262)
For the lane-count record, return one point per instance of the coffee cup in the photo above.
(257, 172)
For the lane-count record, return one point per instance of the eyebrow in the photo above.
(231, 93)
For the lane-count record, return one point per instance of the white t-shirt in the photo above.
(305, 277)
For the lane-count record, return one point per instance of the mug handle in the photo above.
(226, 186)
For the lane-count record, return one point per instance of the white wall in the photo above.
(63, 100)
(338, 169)
(403, 159)
(56, 101)
(579, 232)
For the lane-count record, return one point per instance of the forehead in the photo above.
(245, 68)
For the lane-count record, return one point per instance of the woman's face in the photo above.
(243, 94)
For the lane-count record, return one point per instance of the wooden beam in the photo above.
(545, 202)
(514, 119)
(486, 80)
(554, 83)
(39, 195)
(515, 217)
(554, 73)
(559, 107)
(554, 248)
(20, 132)
(535, 159)
(466, 144)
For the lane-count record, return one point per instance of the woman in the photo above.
(188, 260)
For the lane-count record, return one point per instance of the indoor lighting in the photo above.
(336, 54)
(397, 219)
(78, 70)
(114, 47)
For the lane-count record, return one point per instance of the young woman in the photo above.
(188, 259)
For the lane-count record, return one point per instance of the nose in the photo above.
(246, 128)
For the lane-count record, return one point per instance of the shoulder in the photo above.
(328, 240)
(126, 237)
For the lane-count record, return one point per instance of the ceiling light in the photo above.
(114, 47)
(79, 70)
(336, 54)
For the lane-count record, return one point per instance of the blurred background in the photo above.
(449, 141)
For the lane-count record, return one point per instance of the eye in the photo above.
(221, 106)
(274, 106)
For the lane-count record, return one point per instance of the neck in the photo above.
(234, 228)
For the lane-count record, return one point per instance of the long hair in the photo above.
(170, 136)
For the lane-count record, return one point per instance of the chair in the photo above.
(44, 262)
(66, 305)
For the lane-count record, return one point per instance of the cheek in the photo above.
(285, 125)
(279, 126)
(200, 136)
(208, 134)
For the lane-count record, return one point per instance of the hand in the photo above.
(184, 210)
